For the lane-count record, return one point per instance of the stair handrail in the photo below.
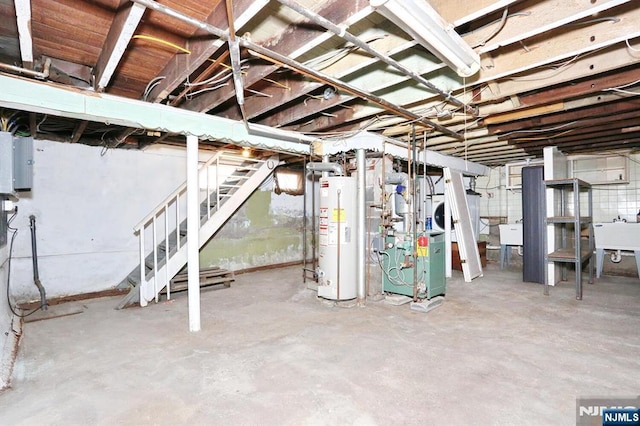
(182, 187)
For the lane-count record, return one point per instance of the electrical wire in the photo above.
(503, 21)
(619, 89)
(555, 71)
(161, 41)
(190, 95)
(550, 129)
(591, 21)
(219, 77)
(151, 85)
(13, 237)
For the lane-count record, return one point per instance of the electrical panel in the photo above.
(16, 163)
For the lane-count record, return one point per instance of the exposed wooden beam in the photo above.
(560, 45)
(23, 20)
(78, 131)
(317, 106)
(350, 65)
(581, 88)
(124, 25)
(600, 147)
(33, 124)
(299, 40)
(613, 57)
(570, 139)
(611, 110)
(532, 18)
(558, 15)
(202, 47)
(460, 12)
(523, 113)
(376, 80)
(201, 77)
(584, 126)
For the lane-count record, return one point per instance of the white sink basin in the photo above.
(617, 236)
(510, 234)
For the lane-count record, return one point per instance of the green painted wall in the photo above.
(266, 230)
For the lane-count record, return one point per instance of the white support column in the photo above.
(361, 228)
(193, 246)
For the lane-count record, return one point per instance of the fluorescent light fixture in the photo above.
(421, 21)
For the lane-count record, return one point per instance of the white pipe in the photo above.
(399, 178)
(326, 167)
(396, 178)
(193, 246)
(616, 256)
(361, 229)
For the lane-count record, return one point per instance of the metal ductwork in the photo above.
(335, 168)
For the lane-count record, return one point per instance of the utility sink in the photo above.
(616, 236)
(510, 234)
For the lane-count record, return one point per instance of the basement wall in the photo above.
(266, 230)
(86, 205)
(8, 338)
(501, 205)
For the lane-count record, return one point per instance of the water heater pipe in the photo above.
(326, 167)
(399, 178)
(396, 178)
(360, 226)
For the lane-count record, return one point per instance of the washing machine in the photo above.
(437, 213)
(438, 217)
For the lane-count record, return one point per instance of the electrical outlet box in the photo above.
(22, 163)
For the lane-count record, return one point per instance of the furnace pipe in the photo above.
(361, 229)
(326, 167)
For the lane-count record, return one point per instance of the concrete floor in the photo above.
(269, 353)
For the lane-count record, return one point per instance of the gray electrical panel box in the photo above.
(16, 163)
(22, 163)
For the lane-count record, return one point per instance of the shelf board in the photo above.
(568, 219)
(569, 255)
(567, 182)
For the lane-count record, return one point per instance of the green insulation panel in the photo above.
(398, 263)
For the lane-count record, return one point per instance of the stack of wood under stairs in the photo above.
(209, 277)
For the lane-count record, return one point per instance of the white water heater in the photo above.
(337, 238)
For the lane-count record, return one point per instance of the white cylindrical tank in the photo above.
(337, 253)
